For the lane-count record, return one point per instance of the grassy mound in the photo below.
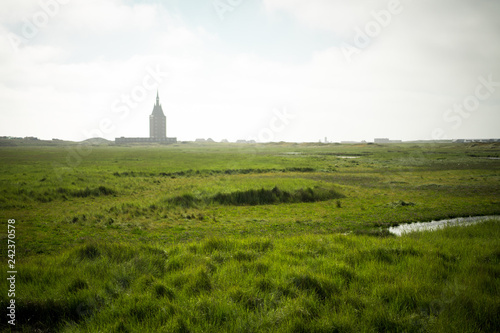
(275, 196)
(259, 197)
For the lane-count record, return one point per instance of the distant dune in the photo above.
(98, 141)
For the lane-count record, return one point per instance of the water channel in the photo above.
(433, 225)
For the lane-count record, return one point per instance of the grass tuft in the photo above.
(319, 286)
(77, 285)
(161, 291)
(89, 251)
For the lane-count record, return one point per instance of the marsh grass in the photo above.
(192, 173)
(278, 237)
(63, 193)
(118, 192)
(428, 281)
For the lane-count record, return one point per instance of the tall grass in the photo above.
(64, 193)
(430, 281)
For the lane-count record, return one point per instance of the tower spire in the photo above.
(157, 98)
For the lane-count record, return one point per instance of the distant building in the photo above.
(246, 141)
(475, 140)
(157, 128)
(381, 140)
(386, 140)
(157, 121)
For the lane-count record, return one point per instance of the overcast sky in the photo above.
(270, 70)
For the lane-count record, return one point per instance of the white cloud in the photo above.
(94, 16)
(13, 11)
(339, 17)
(93, 52)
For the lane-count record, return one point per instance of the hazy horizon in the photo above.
(269, 70)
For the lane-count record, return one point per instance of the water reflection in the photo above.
(420, 226)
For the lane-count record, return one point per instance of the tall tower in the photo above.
(157, 122)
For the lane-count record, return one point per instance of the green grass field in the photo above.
(251, 238)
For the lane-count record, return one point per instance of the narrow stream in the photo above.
(433, 225)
